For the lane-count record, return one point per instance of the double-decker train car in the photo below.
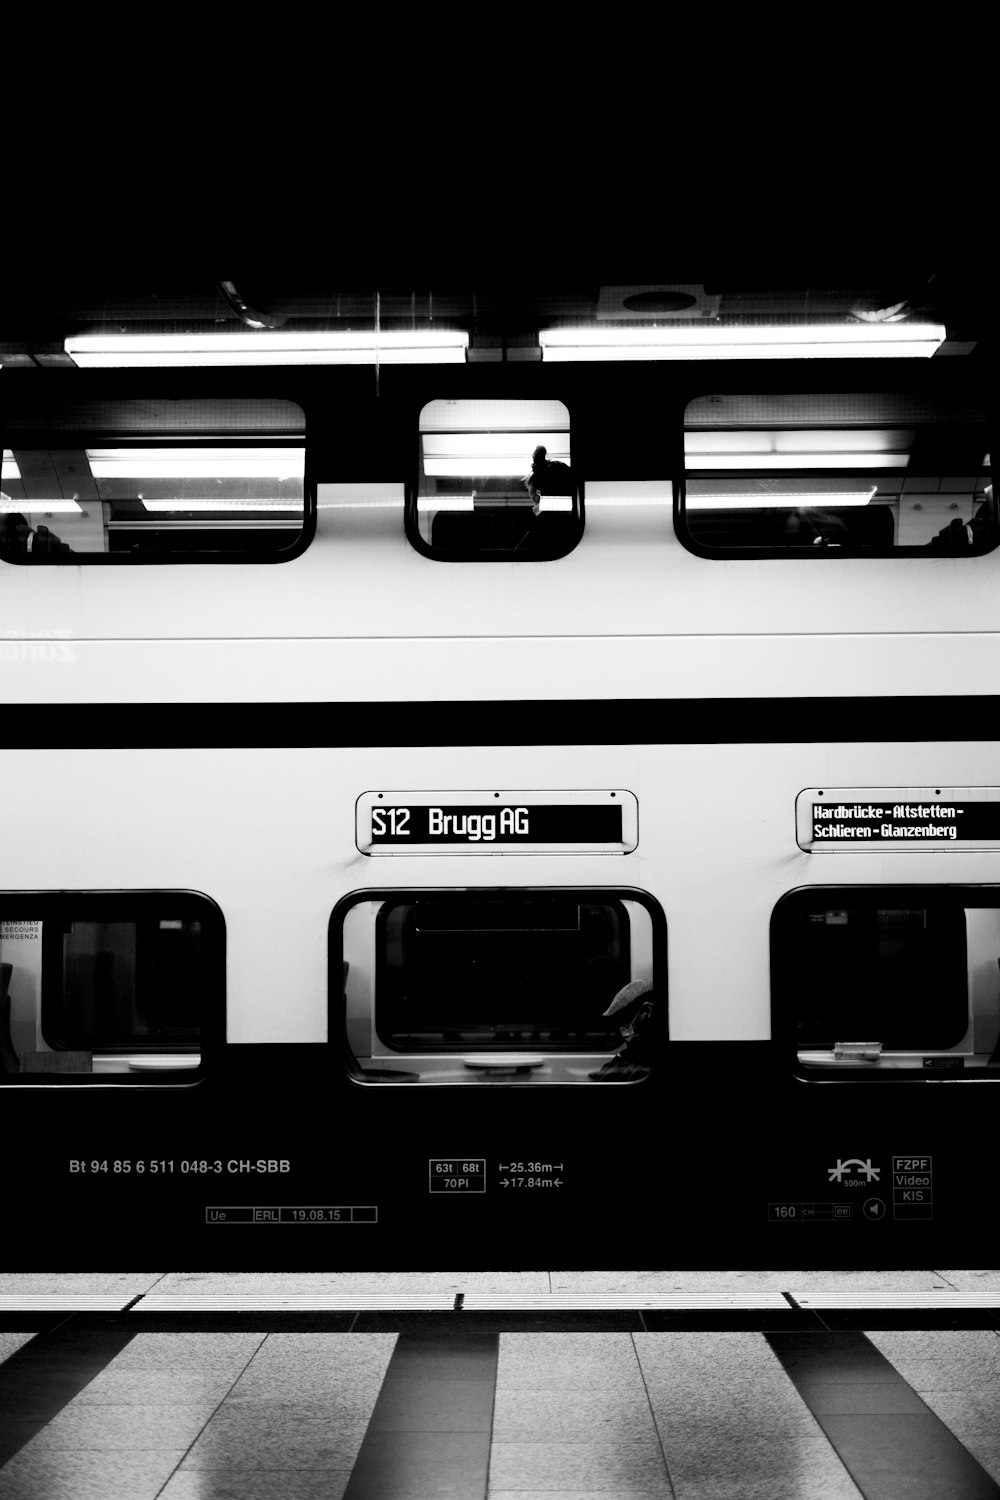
(513, 774)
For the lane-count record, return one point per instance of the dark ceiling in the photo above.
(45, 309)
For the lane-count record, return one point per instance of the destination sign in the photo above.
(528, 822)
(901, 818)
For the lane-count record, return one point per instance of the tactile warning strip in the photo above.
(197, 1302)
(68, 1302)
(932, 1299)
(194, 1302)
(571, 1301)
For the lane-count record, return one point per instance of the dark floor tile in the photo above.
(38, 1393)
(456, 1334)
(412, 1466)
(891, 1444)
(907, 1457)
(846, 1356)
(845, 1397)
(15, 1431)
(78, 1342)
(838, 1368)
(428, 1405)
(429, 1435)
(817, 1340)
(39, 1379)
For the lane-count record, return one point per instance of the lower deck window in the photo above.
(109, 987)
(882, 981)
(537, 986)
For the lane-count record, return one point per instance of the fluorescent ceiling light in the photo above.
(407, 346)
(446, 502)
(196, 463)
(779, 500)
(358, 504)
(518, 446)
(760, 341)
(630, 492)
(871, 448)
(360, 496)
(223, 505)
(797, 461)
(11, 507)
(487, 454)
(482, 466)
(487, 414)
(432, 504)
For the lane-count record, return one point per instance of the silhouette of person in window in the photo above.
(961, 536)
(632, 1009)
(547, 477)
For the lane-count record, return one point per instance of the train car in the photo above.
(542, 804)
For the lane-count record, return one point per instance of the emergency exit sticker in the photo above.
(497, 822)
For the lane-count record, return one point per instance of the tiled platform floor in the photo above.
(455, 1406)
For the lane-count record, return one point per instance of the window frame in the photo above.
(336, 999)
(411, 519)
(50, 906)
(783, 983)
(891, 378)
(100, 388)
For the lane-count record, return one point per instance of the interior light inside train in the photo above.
(495, 479)
(107, 988)
(395, 346)
(888, 981)
(756, 340)
(482, 987)
(449, 346)
(835, 474)
(131, 479)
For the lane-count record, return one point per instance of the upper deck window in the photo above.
(835, 475)
(151, 480)
(495, 482)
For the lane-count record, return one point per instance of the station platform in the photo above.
(547, 1385)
